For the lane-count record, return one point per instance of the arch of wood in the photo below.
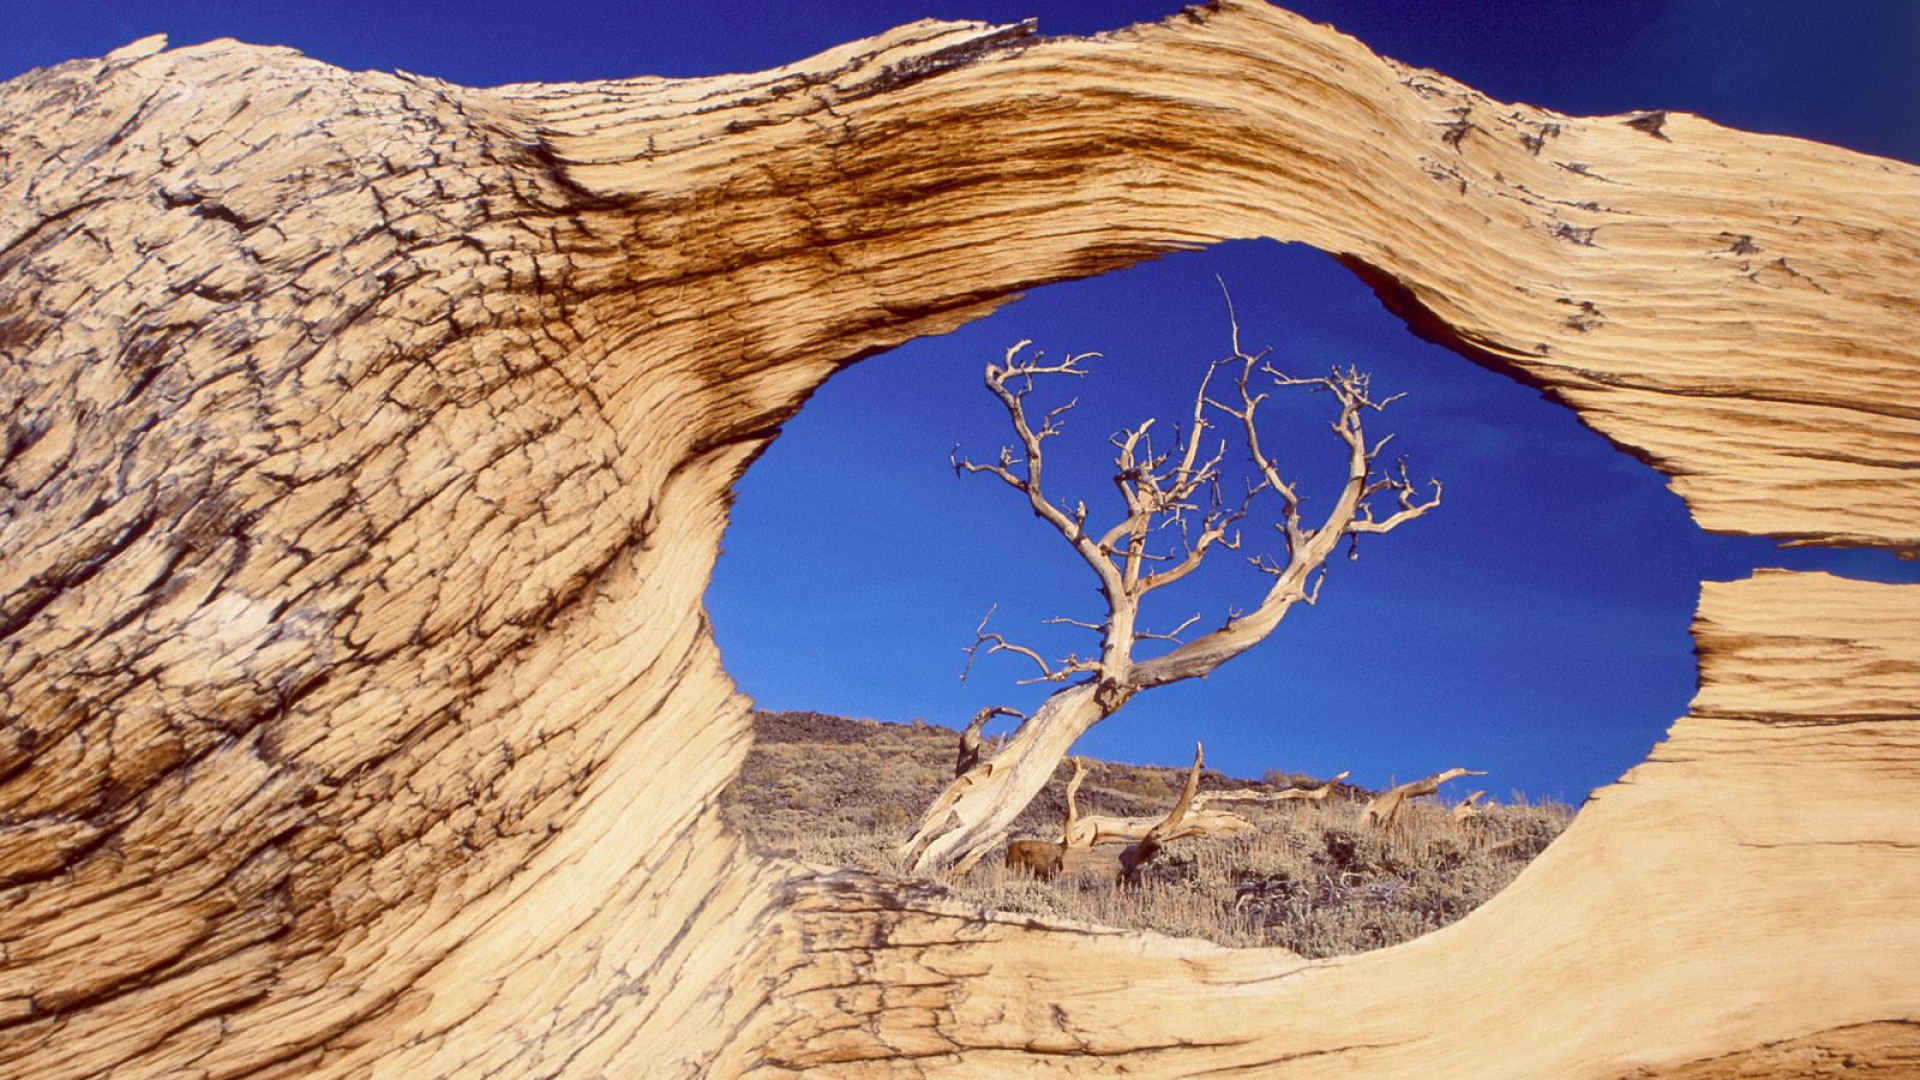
(367, 443)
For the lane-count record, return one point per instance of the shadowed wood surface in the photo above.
(366, 449)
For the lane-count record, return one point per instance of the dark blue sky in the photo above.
(1534, 626)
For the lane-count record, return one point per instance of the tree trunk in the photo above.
(366, 448)
(976, 810)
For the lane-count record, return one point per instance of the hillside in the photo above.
(1312, 879)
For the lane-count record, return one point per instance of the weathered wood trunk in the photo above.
(366, 448)
(972, 813)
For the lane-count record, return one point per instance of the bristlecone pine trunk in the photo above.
(366, 445)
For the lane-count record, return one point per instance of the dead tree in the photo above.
(1164, 492)
(1385, 808)
(1470, 807)
(1312, 794)
(1088, 830)
(1085, 847)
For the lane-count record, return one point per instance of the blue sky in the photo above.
(1535, 625)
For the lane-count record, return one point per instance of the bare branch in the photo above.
(1173, 635)
(1213, 532)
(1316, 794)
(1095, 829)
(1025, 370)
(1298, 578)
(1066, 669)
(1384, 811)
(1233, 320)
(1197, 427)
(1431, 785)
(1048, 426)
(971, 745)
(1312, 596)
(1410, 506)
(1073, 811)
(1143, 555)
(1264, 465)
(999, 644)
(1169, 829)
(1002, 469)
(1313, 794)
(1086, 846)
(1011, 381)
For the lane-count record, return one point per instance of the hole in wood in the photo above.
(1533, 627)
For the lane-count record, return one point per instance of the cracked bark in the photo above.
(365, 450)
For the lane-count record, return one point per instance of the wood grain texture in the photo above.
(366, 447)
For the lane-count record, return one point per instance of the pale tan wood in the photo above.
(1383, 810)
(1312, 794)
(972, 814)
(1117, 848)
(366, 449)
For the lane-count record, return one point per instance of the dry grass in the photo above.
(842, 793)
